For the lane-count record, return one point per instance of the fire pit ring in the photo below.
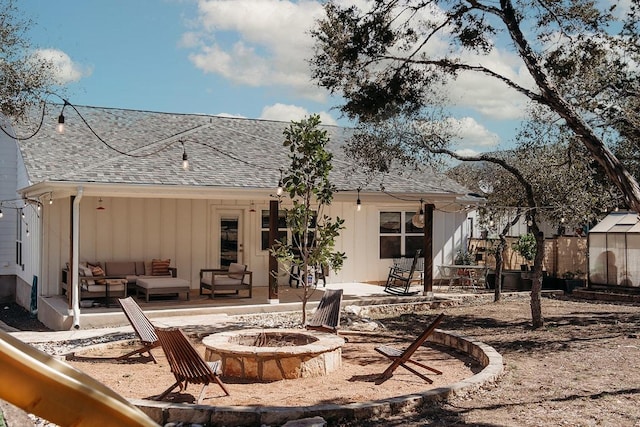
(274, 354)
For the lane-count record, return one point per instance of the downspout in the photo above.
(75, 282)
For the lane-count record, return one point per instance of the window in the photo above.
(282, 228)
(398, 236)
(283, 234)
(19, 241)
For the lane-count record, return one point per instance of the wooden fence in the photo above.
(562, 255)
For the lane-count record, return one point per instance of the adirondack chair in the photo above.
(186, 363)
(142, 327)
(327, 316)
(399, 280)
(403, 357)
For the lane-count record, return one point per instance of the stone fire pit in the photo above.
(274, 354)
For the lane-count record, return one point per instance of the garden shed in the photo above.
(614, 251)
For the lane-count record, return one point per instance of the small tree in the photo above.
(307, 184)
(526, 247)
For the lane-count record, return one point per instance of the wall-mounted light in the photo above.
(100, 207)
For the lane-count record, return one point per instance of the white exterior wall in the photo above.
(8, 186)
(185, 231)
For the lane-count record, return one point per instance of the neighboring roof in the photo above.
(223, 152)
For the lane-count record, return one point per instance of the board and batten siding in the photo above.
(185, 231)
(8, 186)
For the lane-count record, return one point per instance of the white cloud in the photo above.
(287, 113)
(257, 42)
(64, 69)
(472, 134)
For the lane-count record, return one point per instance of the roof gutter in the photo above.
(75, 282)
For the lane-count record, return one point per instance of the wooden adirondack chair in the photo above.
(187, 366)
(327, 315)
(403, 357)
(142, 327)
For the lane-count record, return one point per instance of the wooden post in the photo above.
(273, 262)
(427, 249)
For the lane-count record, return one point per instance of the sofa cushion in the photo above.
(140, 271)
(160, 267)
(236, 271)
(120, 268)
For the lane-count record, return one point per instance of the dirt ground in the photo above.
(355, 381)
(580, 369)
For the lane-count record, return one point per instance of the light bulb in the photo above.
(60, 127)
(1, 214)
(279, 190)
(358, 205)
(185, 162)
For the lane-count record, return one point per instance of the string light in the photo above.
(60, 127)
(418, 219)
(185, 159)
(279, 189)
(358, 203)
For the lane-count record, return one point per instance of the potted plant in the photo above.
(463, 258)
(526, 247)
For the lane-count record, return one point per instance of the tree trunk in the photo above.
(536, 280)
(497, 294)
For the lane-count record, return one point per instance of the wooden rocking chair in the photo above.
(401, 358)
(399, 280)
(142, 327)
(187, 366)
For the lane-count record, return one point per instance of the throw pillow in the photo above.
(96, 270)
(147, 268)
(160, 267)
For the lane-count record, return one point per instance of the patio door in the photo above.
(229, 237)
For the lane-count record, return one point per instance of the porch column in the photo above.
(427, 249)
(273, 262)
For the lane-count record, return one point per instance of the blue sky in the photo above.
(234, 57)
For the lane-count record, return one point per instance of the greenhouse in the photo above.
(614, 251)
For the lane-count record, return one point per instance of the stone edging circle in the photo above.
(487, 356)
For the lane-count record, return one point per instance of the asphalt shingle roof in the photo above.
(223, 152)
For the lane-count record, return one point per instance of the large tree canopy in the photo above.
(582, 59)
(25, 79)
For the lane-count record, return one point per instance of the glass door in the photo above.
(230, 237)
